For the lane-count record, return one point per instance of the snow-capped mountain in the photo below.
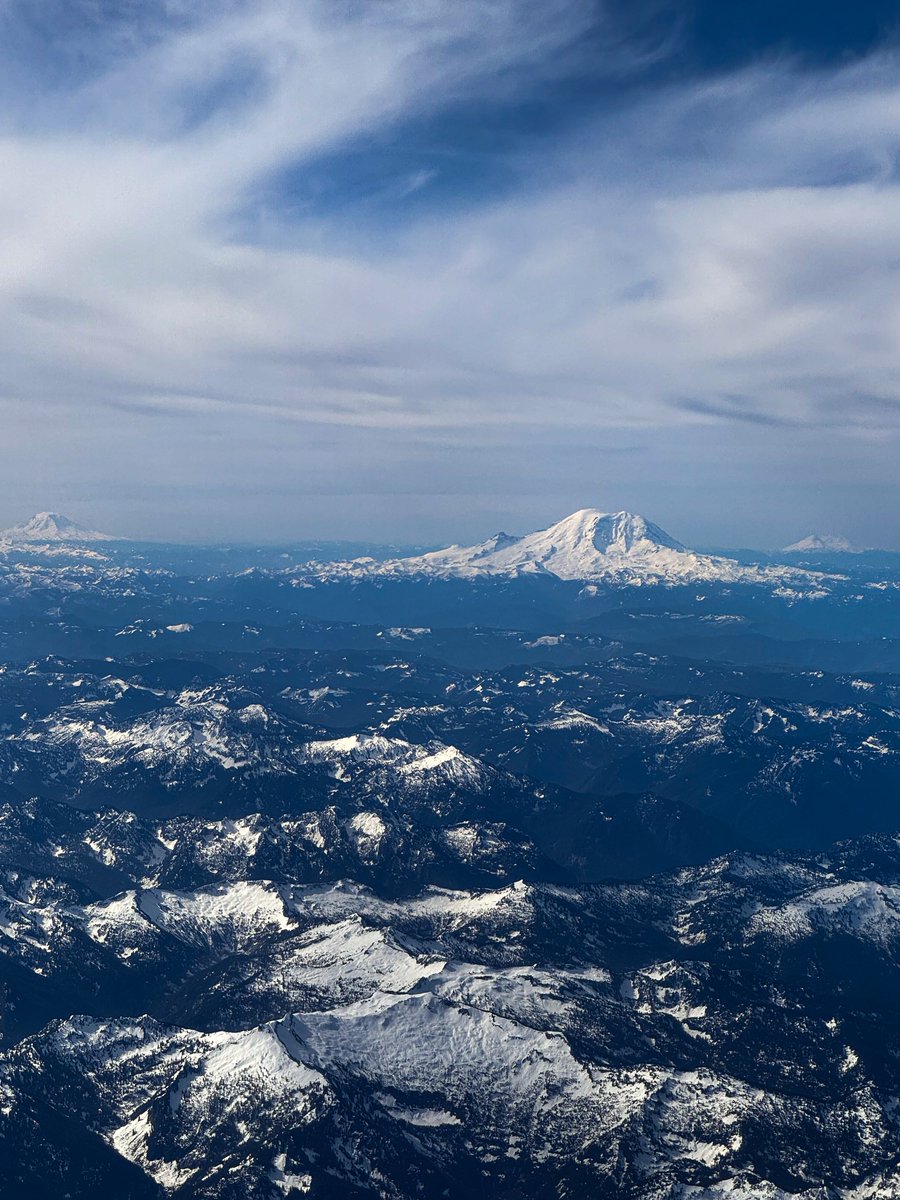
(586, 545)
(589, 546)
(498, 875)
(822, 543)
(53, 527)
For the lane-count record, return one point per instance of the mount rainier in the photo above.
(588, 546)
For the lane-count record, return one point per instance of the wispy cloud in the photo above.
(712, 253)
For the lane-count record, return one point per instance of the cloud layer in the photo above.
(203, 309)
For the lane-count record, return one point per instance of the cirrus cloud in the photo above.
(677, 264)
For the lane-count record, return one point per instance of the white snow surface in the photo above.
(865, 910)
(236, 915)
(414, 764)
(590, 545)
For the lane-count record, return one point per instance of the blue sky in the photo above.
(420, 270)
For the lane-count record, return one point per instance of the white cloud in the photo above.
(720, 253)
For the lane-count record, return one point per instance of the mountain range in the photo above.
(485, 871)
(589, 545)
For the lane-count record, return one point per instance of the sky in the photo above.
(418, 270)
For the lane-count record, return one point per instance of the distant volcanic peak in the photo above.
(822, 543)
(590, 546)
(54, 527)
(587, 545)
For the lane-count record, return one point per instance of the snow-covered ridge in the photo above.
(412, 762)
(499, 1068)
(53, 527)
(589, 546)
(493, 1035)
(196, 732)
(865, 910)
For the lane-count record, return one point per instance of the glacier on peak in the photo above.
(581, 546)
(588, 546)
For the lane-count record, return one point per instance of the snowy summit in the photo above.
(584, 545)
(53, 527)
(589, 545)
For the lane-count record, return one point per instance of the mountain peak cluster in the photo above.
(578, 546)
